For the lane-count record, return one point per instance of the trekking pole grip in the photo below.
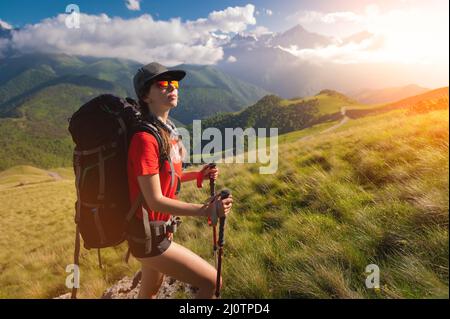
(212, 182)
(223, 194)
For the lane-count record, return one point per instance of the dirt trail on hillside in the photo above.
(55, 176)
(330, 129)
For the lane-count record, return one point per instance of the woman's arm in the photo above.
(156, 201)
(206, 171)
(189, 176)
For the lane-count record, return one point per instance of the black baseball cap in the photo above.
(154, 71)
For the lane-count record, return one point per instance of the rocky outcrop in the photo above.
(128, 288)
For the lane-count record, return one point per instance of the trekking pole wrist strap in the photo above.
(200, 179)
(212, 217)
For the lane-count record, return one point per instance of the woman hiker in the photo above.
(157, 90)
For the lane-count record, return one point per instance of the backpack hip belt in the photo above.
(154, 228)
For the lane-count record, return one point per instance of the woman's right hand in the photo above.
(223, 206)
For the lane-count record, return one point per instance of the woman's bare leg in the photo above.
(184, 265)
(151, 281)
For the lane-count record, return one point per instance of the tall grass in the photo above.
(374, 192)
(37, 241)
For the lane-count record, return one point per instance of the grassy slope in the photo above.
(387, 95)
(38, 92)
(23, 175)
(430, 95)
(376, 192)
(210, 90)
(437, 98)
(40, 137)
(327, 104)
(288, 115)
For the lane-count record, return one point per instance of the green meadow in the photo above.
(373, 191)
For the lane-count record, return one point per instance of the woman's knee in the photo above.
(209, 283)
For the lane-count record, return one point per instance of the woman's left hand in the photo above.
(210, 172)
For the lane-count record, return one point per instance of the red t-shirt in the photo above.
(143, 159)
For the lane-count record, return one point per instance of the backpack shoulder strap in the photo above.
(152, 129)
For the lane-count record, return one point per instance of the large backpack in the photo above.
(102, 130)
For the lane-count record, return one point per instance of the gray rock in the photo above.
(128, 288)
(170, 289)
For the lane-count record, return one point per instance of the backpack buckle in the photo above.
(173, 226)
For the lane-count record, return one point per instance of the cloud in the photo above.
(5, 25)
(407, 36)
(133, 5)
(309, 17)
(341, 23)
(232, 19)
(265, 11)
(366, 50)
(231, 59)
(142, 38)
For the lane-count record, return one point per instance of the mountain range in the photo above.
(39, 92)
(298, 62)
(204, 92)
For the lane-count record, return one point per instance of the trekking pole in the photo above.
(212, 192)
(223, 194)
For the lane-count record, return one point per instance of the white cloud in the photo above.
(133, 5)
(329, 23)
(365, 51)
(142, 38)
(408, 36)
(232, 19)
(265, 11)
(308, 17)
(5, 25)
(231, 59)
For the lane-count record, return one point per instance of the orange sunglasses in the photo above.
(165, 84)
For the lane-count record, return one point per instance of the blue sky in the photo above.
(198, 31)
(21, 12)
